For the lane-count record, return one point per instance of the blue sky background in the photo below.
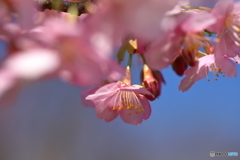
(49, 122)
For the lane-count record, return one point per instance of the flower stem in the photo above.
(143, 58)
(130, 60)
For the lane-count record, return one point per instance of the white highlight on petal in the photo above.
(33, 64)
(236, 36)
(235, 28)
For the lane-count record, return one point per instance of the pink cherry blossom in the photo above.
(85, 56)
(57, 48)
(24, 67)
(204, 65)
(120, 17)
(24, 9)
(223, 12)
(223, 52)
(227, 27)
(183, 33)
(127, 101)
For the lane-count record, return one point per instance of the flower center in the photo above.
(127, 100)
(216, 71)
(193, 41)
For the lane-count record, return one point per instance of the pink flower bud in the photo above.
(151, 80)
(127, 79)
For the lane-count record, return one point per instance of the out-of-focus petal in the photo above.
(198, 22)
(221, 11)
(161, 54)
(9, 87)
(223, 8)
(33, 64)
(236, 7)
(227, 66)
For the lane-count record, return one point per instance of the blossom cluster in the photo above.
(88, 49)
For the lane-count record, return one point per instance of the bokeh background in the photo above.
(48, 122)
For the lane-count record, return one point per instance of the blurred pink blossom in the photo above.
(122, 17)
(86, 58)
(24, 67)
(227, 27)
(22, 12)
(183, 32)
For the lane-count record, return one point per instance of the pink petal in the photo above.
(114, 71)
(227, 66)
(199, 71)
(205, 61)
(33, 64)
(108, 88)
(146, 106)
(7, 80)
(9, 87)
(236, 8)
(227, 47)
(198, 22)
(221, 11)
(105, 112)
(202, 73)
(104, 92)
(138, 90)
(223, 8)
(84, 94)
(192, 70)
(131, 117)
(161, 54)
(186, 83)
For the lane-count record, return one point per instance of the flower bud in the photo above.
(150, 82)
(190, 57)
(127, 79)
(132, 46)
(179, 65)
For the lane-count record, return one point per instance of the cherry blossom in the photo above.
(205, 64)
(127, 101)
(184, 33)
(227, 28)
(86, 43)
(83, 61)
(24, 67)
